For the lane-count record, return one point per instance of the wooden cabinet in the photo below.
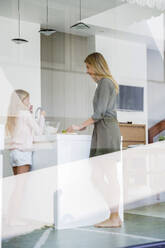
(133, 134)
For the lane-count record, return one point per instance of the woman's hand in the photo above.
(75, 128)
(83, 126)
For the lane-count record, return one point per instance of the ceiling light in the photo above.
(19, 40)
(80, 25)
(47, 31)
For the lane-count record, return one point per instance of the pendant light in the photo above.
(19, 40)
(80, 25)
(47, 31)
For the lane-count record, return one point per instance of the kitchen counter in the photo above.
(48, 141)
(53, 150)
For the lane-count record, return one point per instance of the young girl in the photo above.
(21, 126)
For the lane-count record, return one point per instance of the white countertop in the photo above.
(49, 141)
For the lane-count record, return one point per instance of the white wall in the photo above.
(19, 64)
(127, 62)
(156, 87)
(155, 65)
(156, 102)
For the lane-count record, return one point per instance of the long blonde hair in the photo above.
(16, 105)
(100, 67)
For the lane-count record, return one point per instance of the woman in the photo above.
(106, 133)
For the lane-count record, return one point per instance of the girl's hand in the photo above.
(43, 113)
(31, 108)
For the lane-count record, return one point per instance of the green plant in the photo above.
(161, 138)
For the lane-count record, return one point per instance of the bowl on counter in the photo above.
(51, 128)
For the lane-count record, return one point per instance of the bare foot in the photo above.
(110, 223)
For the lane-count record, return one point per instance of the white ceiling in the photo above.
(62, 13)
(109, 17)
(131, 22)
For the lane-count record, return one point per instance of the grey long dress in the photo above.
(106, 133)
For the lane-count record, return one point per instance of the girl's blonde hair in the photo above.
(16, 105)
(100, 66)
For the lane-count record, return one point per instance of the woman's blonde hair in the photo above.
(100, 66)
(16, 105)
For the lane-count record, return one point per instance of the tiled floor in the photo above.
(156, 210)
(142, 225)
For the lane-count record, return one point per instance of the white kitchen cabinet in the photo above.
(78, 52)
(65, 148)
(54, 51)
(67, 91)
(46, 91)
(64, 52)
(58, 94)
(67, 96)
(76, 98)
(72, 147)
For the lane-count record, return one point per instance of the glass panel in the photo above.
(75, 130)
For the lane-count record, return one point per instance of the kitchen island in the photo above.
(50, 150)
